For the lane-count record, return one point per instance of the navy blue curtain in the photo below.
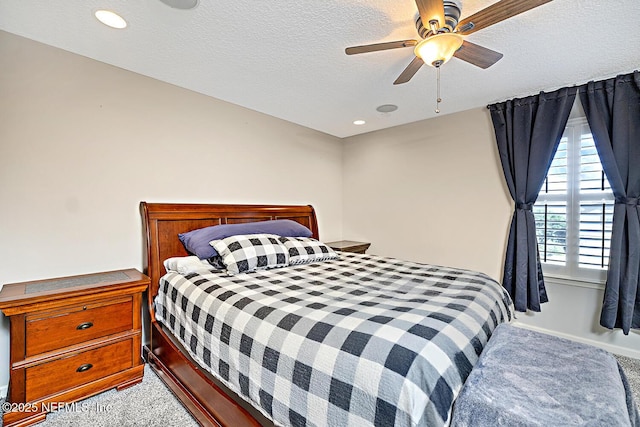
(613, 111)
(528, 131)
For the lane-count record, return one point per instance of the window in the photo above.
(574, 210)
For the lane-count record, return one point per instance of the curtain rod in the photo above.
(577, 86)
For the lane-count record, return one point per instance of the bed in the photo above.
(358, 340)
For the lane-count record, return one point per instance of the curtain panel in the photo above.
(612, 108)
(528, 131)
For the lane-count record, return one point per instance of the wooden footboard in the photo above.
(207, 401)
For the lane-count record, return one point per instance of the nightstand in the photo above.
(349, 246)
(71, 338)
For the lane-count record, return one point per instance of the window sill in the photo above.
(567, 281)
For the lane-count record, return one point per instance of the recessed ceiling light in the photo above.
(111, 19)
(181, 4)
(359, 122)
(387, 108)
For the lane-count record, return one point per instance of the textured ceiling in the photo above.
(286, 58)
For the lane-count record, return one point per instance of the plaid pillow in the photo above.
(248, 252)
(305, 250)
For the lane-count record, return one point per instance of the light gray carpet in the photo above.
(631, 368)
(149, 403)
(152, 404)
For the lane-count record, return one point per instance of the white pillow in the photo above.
(186, 264)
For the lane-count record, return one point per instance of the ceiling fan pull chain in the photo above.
(438, 99)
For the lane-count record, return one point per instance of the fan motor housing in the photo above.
(452, 11)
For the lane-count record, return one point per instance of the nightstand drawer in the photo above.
(72, 337)
(58, 375)
(57, 329)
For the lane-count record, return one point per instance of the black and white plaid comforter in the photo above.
(362, 340)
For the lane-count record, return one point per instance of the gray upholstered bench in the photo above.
(526, 378)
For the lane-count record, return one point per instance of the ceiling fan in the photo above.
(443, 34)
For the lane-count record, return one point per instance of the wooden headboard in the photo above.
(163, 221)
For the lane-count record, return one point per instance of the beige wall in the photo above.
(434, 192)
(82, 143)
(430, 191)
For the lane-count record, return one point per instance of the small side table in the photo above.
(349, 246)
(71, 338)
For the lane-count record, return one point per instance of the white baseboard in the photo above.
(609, 347)
(3, 391)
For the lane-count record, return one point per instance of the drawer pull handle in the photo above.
(84, 367)
(85, 325)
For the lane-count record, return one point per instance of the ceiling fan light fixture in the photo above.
(438, 49)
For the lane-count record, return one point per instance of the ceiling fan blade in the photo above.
(477, 55)
(379, 46)
(410, 71)
(430, 10)
(497, 12)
